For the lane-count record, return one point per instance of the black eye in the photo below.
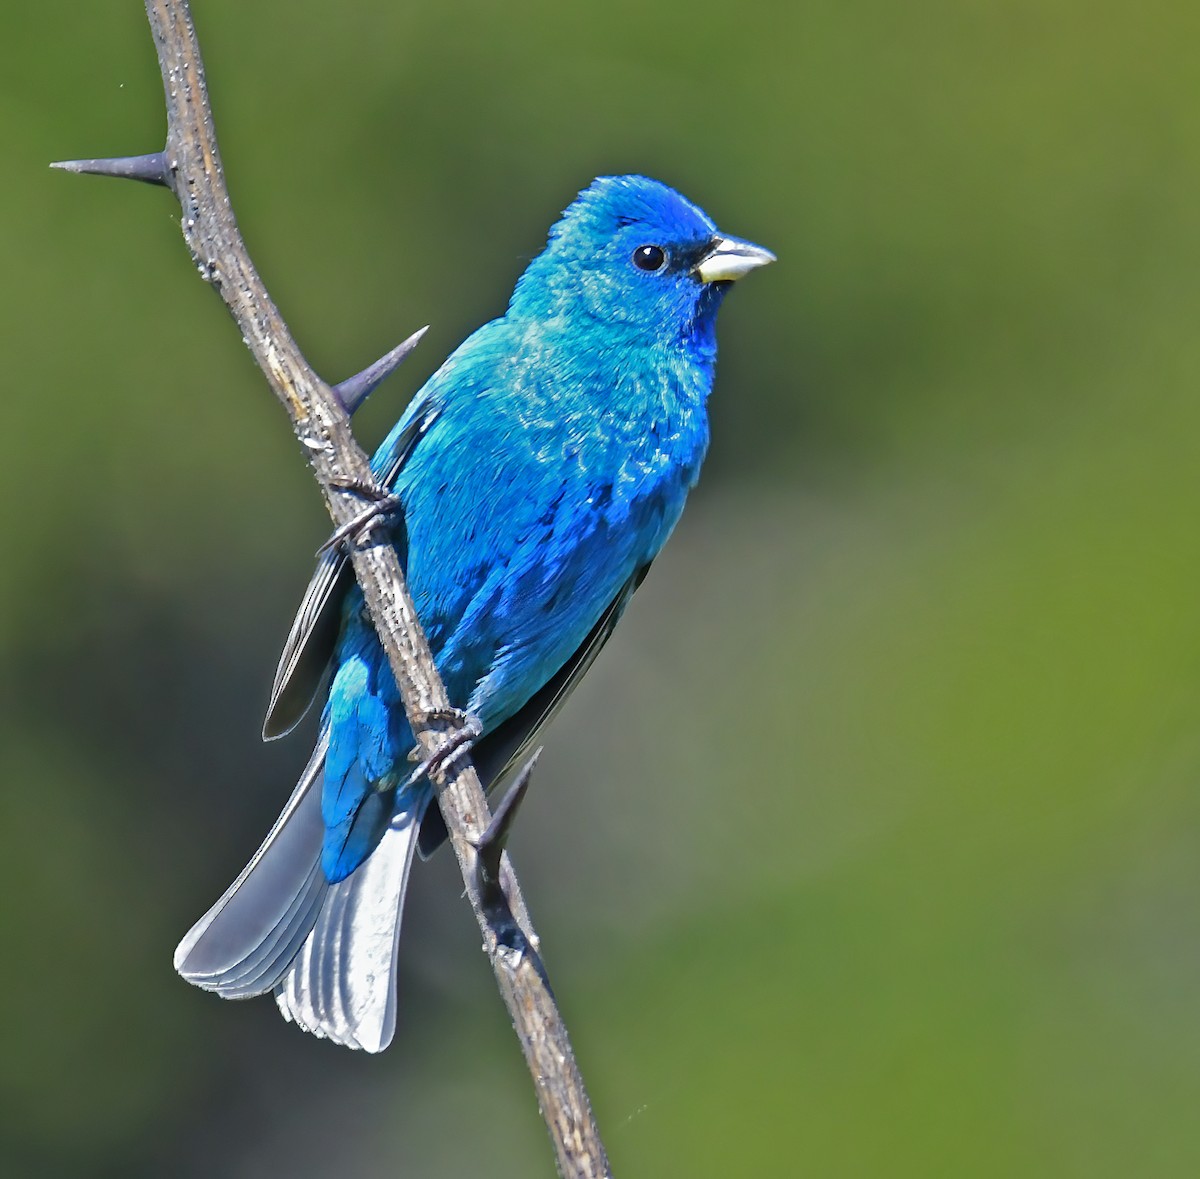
(650, 258)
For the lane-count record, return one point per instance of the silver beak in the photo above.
(729, 258)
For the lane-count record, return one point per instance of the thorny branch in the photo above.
(190, 166)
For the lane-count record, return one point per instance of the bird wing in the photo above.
(313, 636)
(501, 750)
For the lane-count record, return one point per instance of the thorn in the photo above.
(494, 878)
(490, 845)
(353, 391)
(151, 169)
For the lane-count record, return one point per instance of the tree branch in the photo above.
(190, 166)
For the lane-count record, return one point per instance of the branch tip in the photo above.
(353, 391)
(150, 169)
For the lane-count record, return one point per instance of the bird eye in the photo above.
(650, 258)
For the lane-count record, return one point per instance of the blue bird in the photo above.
(539, 472)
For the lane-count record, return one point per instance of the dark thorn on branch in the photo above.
(151, 169)
(353, 391)
(490, 845)
(493, 875)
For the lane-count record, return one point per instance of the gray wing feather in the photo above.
(309, 645)
(506, 746)
(313, 636)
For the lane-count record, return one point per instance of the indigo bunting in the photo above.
(539, 471)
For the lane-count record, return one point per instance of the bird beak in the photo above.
(728, 258)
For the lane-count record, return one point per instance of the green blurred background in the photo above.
(872, 845)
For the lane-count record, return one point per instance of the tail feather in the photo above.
(327, 950)
(244, 944)
(341, 984)
(259, 973)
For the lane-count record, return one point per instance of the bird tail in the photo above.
(341, 985)
(242, 946)
(328, 951)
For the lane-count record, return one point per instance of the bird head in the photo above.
(636, 256)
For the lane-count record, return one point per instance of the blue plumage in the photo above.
(540, 470)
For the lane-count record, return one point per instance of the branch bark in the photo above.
(190, 166)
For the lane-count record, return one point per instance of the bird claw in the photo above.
(448, 716)
(380, 505)
(456, 743)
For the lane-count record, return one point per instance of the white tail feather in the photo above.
(328, 951)
(341, 985)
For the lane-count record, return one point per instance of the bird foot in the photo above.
(457, 742)
(448, 716)
(380, 505)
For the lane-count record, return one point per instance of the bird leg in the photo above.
(380, 504)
